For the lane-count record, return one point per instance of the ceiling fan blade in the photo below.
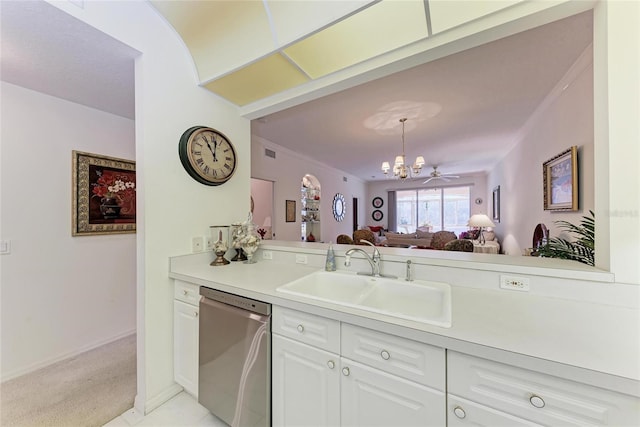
(444, 178)
(428, 180)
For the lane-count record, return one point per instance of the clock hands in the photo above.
(213, 150)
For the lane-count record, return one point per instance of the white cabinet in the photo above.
(313, 384)
(371, 397)
(462, 412)
(305, 384)
(185, 336)
(534, 396)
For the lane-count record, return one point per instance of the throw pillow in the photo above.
(441, 238)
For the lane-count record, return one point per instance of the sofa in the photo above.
(419, 238)
(437, 240)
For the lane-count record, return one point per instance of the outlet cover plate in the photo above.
(514, 283)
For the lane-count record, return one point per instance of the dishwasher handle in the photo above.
(235, 311)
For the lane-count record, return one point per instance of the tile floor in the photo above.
(182, 410)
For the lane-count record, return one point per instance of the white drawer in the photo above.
(307, 328)
(538, 397)
(187, 292)
(463, 412)
(413, 360)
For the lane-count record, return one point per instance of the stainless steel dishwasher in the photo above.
(235, 358)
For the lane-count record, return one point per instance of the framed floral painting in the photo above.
(104, 195)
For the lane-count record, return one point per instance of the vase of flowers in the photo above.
(250, 239)
(116, 192)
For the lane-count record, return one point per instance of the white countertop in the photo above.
(600, 337)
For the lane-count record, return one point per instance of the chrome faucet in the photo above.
(374, 260)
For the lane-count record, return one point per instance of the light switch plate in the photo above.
(197, 244)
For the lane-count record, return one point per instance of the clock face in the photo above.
(207, 155)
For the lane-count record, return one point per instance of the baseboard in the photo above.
(161, 398)
(34, 367)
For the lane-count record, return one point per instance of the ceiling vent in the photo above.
(269, 153)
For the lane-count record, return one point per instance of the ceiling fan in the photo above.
(435, 174)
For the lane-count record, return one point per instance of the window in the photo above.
(435, 208)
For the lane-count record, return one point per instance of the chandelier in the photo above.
(400, 168)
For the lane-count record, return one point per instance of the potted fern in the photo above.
(582, 249)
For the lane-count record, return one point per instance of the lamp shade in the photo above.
(419, 161)
(480, 220)
(399, 161)
(385, 166)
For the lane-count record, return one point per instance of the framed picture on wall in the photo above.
(377, 202)
(290, 211)
(560, 180)
(104, 194)
(496, 204)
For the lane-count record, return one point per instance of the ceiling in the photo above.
(49, 51)
(463, 110)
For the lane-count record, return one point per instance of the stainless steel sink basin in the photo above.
(420, 301)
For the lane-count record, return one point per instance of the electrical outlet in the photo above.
(197, 244)
(267, 255)
(514, 283)
(209, 243)
(301, 259)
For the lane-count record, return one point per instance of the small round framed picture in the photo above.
(377, 215)
(377, 202)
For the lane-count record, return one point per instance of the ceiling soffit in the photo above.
(245, 51)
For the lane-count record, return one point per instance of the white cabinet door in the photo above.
(374, 398)
(185, 346)
(305, 385)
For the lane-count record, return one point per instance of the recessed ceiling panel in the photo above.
(310, 16)
(446, 14)
(266, 77)
(221, 35)
(376, 30)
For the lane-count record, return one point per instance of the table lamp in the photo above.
(481, 221)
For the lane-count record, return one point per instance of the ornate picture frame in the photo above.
(377, 215)
(377, 202)
(290, 210)
(560, 181)
(104, 195)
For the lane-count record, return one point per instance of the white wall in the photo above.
(60, 294)
(286, 171)
(172, 207)
(477, 182)
(563, 119)
(262, 194)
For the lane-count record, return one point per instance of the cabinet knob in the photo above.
(185, 292)
(300, 328)
(345, 371)
(331, 364)
(385, 354)
(195, 314)
(459, 412)
(537, 401)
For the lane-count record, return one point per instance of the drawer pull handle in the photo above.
(537, 401)
(345, 371)
(300, 328)
(385, 354)
(331, 364)
(459, 412)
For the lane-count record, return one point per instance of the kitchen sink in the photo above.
(420, 301)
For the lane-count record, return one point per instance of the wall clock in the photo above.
(377, 215)
(207, 155)
(338, 207)
(377, 202)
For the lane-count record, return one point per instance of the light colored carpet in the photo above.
(83, 391)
